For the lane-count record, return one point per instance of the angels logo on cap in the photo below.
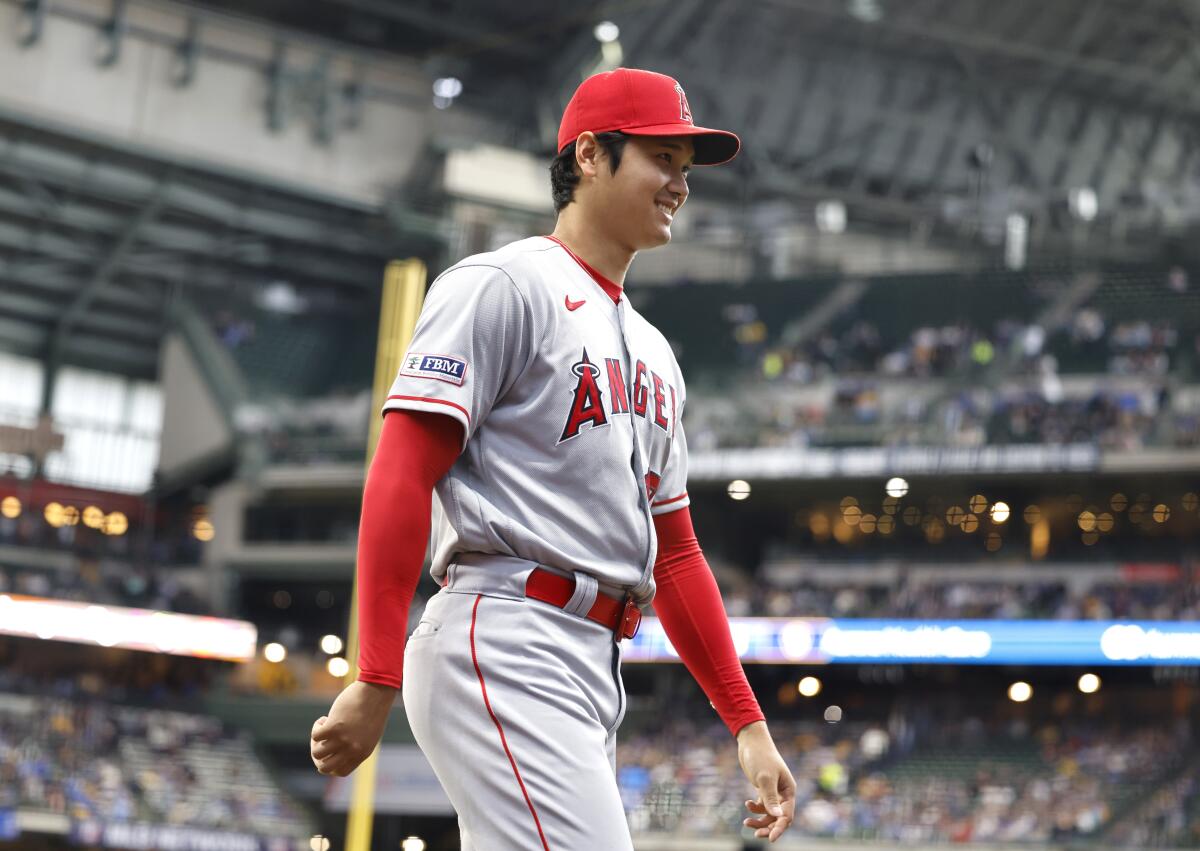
(685, 111)
(641, 103)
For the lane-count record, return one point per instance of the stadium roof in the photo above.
(941, 118)
(892, 106)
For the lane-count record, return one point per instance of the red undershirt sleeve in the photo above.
(416, 449)
(688, 604)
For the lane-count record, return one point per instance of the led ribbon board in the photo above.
(957, 642)
(135, 629)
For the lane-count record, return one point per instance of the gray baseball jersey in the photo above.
(570, 406)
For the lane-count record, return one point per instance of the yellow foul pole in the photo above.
(403, 292)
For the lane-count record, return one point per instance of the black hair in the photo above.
(563, 176)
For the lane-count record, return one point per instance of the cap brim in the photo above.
(713, 147)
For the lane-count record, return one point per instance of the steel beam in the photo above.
(465, 34)
(198, 244)
(1182, 100)
(35, 303)
(83, 299)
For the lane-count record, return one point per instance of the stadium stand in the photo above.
(94, 761)
(915, 781)
(195, 219)
(920, 592)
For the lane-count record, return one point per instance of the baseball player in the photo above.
(545, 414)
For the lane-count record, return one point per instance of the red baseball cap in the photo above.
(641, 103)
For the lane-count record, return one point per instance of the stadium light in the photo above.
(1000, 512)
(1019, 692)
(10, 507)
(202, 530)
(896, 487)
(1089, 684)
(606, 32)
(738, 490)
(867, 11)
(53, 512)
(412, 843)
(809, 687)
(1016, 240)
(445, 90)
(319, 843)
(831, 217)
(93, 517)
(331, 644)
(1083, 203)
(833, 714)
(337, 667)
(116, 524)
(274, 652)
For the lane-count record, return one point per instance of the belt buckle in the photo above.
(630, 620)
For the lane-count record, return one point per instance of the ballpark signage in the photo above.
(145, 836)
(960, 642)
(133, 629)
(771, 463)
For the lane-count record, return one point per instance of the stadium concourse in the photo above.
(939, 322)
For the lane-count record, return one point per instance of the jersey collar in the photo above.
(613, 290)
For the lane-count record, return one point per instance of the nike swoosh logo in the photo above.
(575, 305)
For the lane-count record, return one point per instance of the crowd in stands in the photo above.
(1170, 816)
(979, 330)
(104, 582)
(331, 428)
(1121, 346)
(856, 415)
(985, 598)
(913, 781)
(860, 357)
(95, 761)
(928, 352)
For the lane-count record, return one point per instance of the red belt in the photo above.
(623, 617)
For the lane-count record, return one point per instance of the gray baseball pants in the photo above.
(516, 705)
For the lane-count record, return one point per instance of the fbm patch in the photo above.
(439, 367)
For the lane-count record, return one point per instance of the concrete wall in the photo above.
(193, 426)
(220, 119)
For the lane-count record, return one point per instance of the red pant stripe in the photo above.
(500, 729)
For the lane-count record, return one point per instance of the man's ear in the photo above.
(588, 154)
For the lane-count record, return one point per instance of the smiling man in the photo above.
(545, 413)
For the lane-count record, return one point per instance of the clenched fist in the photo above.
(342, 739)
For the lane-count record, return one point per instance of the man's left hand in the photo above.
(775, 808)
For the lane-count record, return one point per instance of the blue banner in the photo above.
(145, 836)
(8, 825)
(958, 642)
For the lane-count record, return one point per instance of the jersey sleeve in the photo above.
(471, 341)
(672, 487)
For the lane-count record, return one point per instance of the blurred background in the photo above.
(941, 342)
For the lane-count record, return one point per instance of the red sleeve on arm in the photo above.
(689, 605)
(415, 450)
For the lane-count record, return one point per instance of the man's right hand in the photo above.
(342, 739)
